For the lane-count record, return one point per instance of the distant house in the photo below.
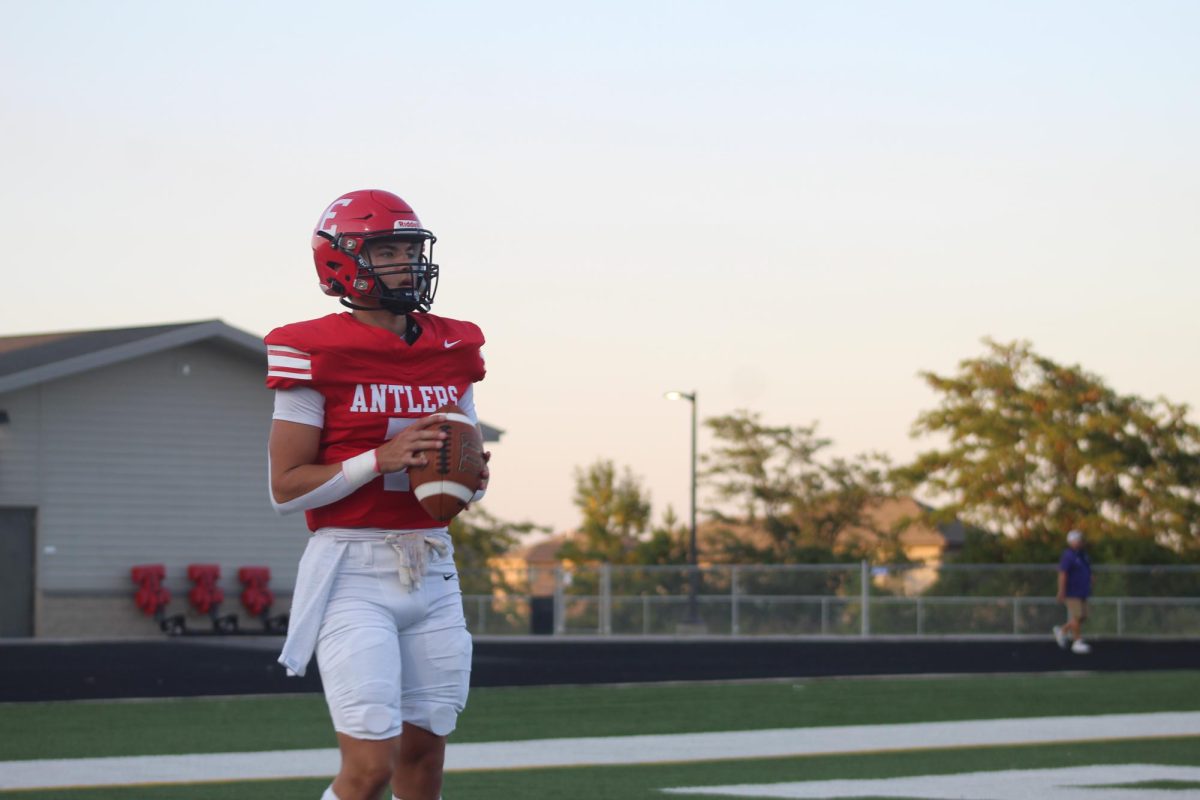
(534, 565)
(925, 544)
(908, 520)
(131, 446)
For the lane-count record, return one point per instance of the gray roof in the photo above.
(954, 532)
(33, 359)
(30, 360)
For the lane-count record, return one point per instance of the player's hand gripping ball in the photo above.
(452, 473)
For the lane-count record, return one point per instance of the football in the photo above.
(447, 482)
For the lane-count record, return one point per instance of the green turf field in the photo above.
(89, 729)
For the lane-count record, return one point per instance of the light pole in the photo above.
(693, 562)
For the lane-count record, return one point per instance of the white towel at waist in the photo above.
(319, 568)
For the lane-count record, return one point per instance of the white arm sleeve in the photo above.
(303, 405)
(307, 406)
(467, 404)
(355, 473)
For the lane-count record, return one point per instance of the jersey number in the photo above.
(397, 481)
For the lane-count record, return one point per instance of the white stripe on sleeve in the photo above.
(289, 361)
(283, 349)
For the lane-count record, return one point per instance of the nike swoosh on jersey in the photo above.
(448, 344)
(449, 577)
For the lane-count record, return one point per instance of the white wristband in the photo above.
(361, 469)
(355, 473)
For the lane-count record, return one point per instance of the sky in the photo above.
(791, 208)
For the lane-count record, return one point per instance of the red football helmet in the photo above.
(340, 243)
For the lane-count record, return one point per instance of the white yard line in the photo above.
(683, 747)
(1095, 782)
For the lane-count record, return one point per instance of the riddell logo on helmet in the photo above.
(405, 223)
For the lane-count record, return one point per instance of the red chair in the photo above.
(257, 599)
(152, 597)
(206, 597)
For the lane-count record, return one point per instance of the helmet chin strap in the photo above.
(398, 307)
(395, 306)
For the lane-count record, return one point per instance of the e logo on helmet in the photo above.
(329, 214)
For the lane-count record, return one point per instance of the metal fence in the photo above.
(857, 599)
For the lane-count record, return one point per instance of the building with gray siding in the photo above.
(133, 446)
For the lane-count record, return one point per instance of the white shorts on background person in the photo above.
(387, 654)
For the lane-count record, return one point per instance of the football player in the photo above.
(377, 595)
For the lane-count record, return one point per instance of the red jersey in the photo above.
(374, 384)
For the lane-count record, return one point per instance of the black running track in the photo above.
(187, 666)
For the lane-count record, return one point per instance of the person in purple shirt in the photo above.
(1074, 588)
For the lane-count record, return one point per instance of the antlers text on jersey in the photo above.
(393, 398)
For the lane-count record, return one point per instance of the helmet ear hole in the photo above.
(336, 286)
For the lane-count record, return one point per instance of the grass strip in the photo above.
(246, 724)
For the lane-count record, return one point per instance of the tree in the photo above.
(771, 479)
(616, 514)
(667, 543)
(1035, 448)
(616, 530)
(479, 537)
